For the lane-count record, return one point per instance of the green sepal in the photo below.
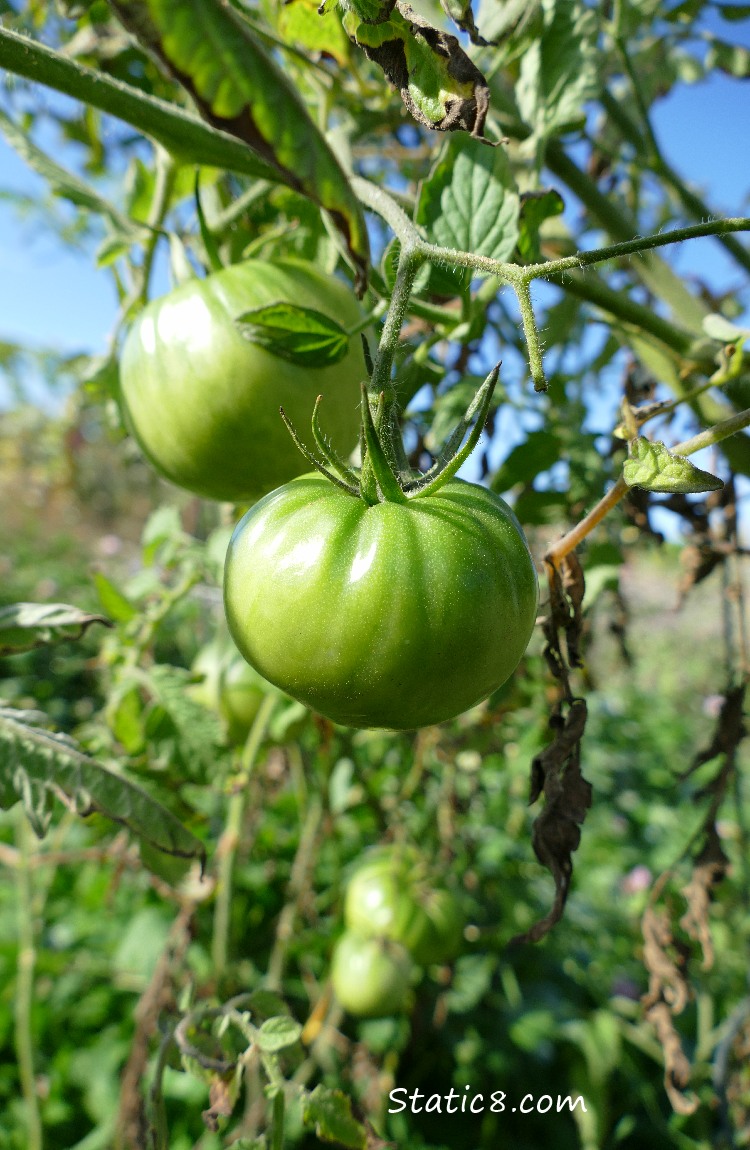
(390, 488)
(451, 458)
(328, 451)
(313, 459)
(653, 467)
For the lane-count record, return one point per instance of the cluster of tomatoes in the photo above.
(396, 923)
(398, 614)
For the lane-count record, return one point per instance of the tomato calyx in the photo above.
(379, 480)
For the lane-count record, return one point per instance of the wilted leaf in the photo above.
(556, 773)
(37, 765)
(24, 626)
(438, 83)
(462, 16)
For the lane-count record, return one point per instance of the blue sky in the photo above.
(51, 296)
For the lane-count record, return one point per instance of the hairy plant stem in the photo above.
(707, 438)
(227, 846)
(24, 996)
(186, 137)
(519, 278)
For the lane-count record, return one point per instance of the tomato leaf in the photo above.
(27, 625)
(536, 207)
(299, 334)
(559, 69)
(461, 14)
(653, 467)
(278, 1034)
(470, 200)
(439, 84)
(239, 88)
(299, 22)
(330, 1113)
(37, 765)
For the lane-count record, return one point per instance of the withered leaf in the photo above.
(439, 84)
(556, 773)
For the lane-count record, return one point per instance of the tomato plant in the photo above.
(395, 615)
(203, 401)
(371, 977)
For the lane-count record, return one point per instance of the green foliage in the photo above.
(166, 945)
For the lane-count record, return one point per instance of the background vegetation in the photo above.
(637, 998)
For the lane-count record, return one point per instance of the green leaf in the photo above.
(299, 22)
(299, 334)
(278, 1033)
(717, 327)
(27, 625)
(470, 200)
(330, 1113)
(536, 207)
(112, 599)
(237, 86)
(559, 69)
(654, 467)
(37, 765)
(734, 59)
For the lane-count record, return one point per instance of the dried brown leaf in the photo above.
(709, 868)
(556, 773)
(677, 1069)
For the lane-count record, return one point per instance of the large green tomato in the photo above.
(396, 615)
(371, 977)
(203, 402)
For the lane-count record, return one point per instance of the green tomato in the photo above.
(203, 402)
(390, 895)
(379, 899)
(371, 977)
(398, 615)
(230, 687)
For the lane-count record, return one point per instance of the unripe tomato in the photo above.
(230, 687)
(371, 977)
(391, 895)
(395, 615)
(379, 900)
(203, 402)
